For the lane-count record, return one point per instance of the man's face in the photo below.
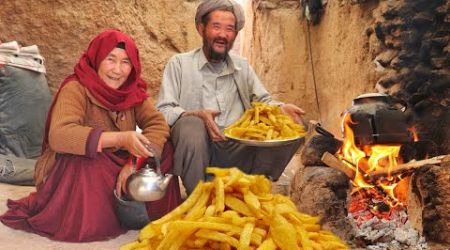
(218, 35)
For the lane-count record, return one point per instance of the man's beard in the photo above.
(213, 55)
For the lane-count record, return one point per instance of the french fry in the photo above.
(282, 232)
(236, 211)
(244, 240)
(264, 122)
(220, 194)
(303, 234)
(268, 244)
(216, 236)
(237, 205)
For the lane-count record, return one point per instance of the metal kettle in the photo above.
(379, 119)
(146, 184)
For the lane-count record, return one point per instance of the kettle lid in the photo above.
(370, 96)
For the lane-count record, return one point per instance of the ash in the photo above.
(392, 232)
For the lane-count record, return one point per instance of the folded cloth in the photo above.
(7, 168)
(23, 57)
(17, 171)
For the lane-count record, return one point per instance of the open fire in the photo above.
(377, 204)
(367, 159)
(380, 187)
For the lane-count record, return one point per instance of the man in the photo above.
(205, 90)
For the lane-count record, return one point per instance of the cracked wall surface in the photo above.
(63, 29)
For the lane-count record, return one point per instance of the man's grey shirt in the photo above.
(190, 83)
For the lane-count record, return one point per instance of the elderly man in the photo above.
(207, 89)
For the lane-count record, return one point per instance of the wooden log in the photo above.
(337, 164)
(409, 166)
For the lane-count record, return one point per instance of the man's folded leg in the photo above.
(192, 152)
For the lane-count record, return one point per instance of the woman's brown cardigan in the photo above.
(76, 114)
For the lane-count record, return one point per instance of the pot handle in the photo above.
(395, 101)
(157, 160)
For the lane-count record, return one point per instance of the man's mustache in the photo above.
(221, 40)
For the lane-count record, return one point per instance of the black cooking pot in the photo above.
(379, 119)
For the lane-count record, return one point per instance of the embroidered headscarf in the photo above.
(208, 6)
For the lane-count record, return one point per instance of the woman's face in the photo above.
(115, 68)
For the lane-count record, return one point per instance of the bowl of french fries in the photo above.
(265, 125)
(236, 211)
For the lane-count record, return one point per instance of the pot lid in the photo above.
(368, 95)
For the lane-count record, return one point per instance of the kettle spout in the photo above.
(165, 181)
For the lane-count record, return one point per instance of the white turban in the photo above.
(208, 6)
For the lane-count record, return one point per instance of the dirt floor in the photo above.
(14, 239)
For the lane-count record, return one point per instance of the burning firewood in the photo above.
(409, 166)
(337, 164)
(347, 168)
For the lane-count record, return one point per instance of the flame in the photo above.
(370, 158)
(413, 131)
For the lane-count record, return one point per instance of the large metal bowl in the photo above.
(269, 143)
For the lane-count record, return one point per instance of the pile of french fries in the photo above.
(235, 211)
(265, 122)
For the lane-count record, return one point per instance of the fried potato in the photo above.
(264, 122)
(236, 211)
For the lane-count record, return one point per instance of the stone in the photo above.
(386, 57)
(439, 62)
(429, 202)
(322, 191)
(422, 20)
(315, 147)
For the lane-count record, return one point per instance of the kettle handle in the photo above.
(157, 160)
(394, 101)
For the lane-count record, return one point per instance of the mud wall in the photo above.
(321, 67)
(62, 29)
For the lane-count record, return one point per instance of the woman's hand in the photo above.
(135, 143)
(208, 118)
(121, 184)
(132, 141)
(294, 112)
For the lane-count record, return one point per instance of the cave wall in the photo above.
(413, 62)
(276, 43)
(63, 29)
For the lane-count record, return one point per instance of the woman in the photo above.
(90, 134)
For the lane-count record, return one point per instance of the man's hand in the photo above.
(208, 118)
(294, 112)
(121, 183)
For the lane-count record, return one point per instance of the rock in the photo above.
(431, 184)
(322, 191)
(439, 63)
(316, 146)
(386, 57)
(398, 63)
(440, 41)
(422, 20)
